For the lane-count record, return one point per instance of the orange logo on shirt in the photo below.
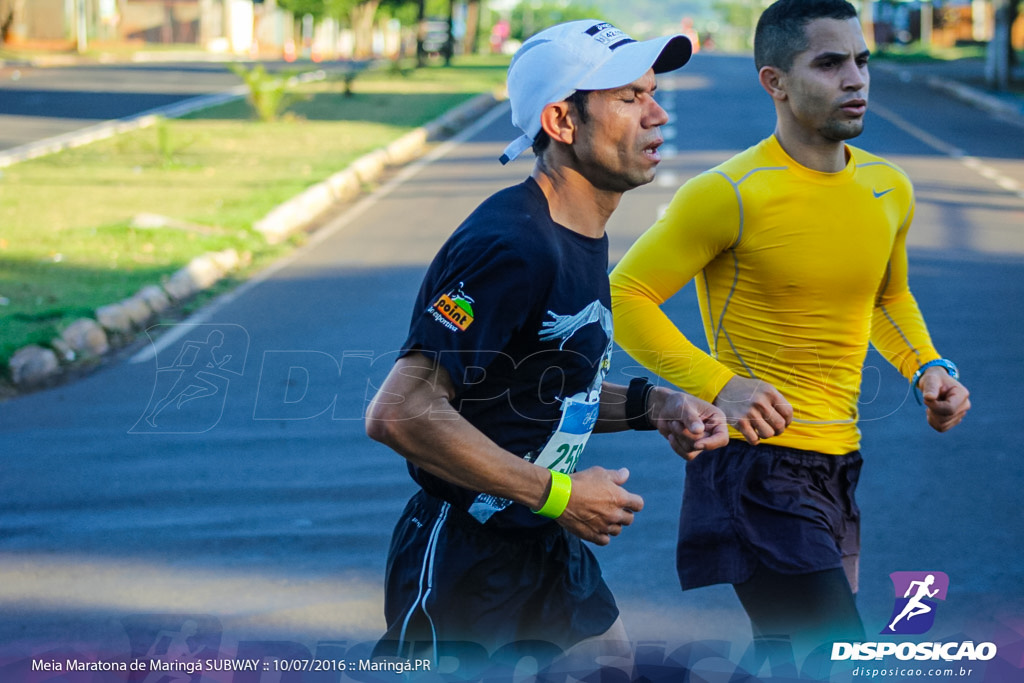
(455, 311)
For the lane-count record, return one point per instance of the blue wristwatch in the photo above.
(948, 365)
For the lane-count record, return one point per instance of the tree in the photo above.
(361, 15)
(1000, 56)
(997, 55)
(6, 20)
(867, 21)
(740, 16)
(449, 43)
(358, 14)
(421, 30)
(11, 12)
(300, 8)
(472, 39)
(530, 17)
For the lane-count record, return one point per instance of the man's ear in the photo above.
(557, 121)
(773, 80)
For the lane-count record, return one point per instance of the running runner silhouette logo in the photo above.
(190, 392)
(172, 647)
(914, 612)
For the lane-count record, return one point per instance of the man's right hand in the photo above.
(755, 408)
(598, 506)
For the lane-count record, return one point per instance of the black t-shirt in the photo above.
(517, 309)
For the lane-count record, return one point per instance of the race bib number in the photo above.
(564, 448)
(561, 454)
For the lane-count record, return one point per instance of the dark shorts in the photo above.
(449, 578)
(790, 510)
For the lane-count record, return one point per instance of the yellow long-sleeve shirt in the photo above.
(796, 271)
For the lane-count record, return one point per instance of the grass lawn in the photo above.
(67, 245)
(915, 52)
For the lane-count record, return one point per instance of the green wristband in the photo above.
(558, 497)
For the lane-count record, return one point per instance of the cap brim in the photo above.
(675, 53)
(632, 61)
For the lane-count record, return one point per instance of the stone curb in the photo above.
(35, 366)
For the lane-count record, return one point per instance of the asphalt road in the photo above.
(241, 502)
(39, 103)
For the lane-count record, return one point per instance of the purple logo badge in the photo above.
(917, 594)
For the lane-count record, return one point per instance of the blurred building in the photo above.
(239, 27)
(942, 23)
(223, 25)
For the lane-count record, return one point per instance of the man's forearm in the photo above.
(612, 414)
(412, 414)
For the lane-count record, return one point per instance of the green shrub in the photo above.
(269, 94)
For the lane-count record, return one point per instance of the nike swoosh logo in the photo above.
(882, 193)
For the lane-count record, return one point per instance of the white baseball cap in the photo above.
(580, 55)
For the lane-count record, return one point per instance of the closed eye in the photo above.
(638, 93)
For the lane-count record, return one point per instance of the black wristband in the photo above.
(637, 393)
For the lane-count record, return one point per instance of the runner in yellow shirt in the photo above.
(798, 248)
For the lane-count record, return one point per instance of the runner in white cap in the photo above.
(501, 380)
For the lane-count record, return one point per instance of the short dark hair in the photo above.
(780, 34)
(578, 100)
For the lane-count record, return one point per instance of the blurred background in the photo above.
(331, 29)
(206, 477)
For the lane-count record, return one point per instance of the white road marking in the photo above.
(973, 163)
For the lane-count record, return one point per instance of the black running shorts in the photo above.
(450, 578)
(791, 510)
